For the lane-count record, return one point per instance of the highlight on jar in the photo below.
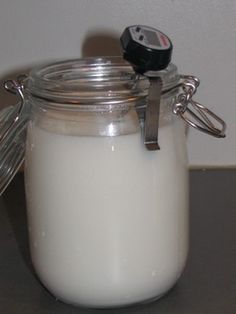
(103, 142)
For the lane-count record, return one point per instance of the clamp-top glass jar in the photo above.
(108, 219)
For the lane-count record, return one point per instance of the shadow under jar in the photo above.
(108, 219)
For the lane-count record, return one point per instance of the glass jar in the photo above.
(107, 218)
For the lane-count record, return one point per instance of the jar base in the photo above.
(119, 305)
(107, 307)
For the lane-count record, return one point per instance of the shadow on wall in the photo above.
(95, 44)
(101, 44)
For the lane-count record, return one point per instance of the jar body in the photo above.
(108, 219)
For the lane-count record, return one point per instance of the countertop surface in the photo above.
(208, 284)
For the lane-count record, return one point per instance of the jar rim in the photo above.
(108, 80)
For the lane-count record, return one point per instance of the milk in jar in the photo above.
(104, 229)
(108, 219)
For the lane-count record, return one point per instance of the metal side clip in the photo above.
(152, 114)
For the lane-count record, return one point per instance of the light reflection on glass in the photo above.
(111, 130)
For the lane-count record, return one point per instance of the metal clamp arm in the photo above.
(195, 114)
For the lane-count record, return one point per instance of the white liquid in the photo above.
(108, 219)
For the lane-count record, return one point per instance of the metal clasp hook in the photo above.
(15, 87)
(203, 119)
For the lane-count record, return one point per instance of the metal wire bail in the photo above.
(195, 114)
(14, 87)
(13, 126)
